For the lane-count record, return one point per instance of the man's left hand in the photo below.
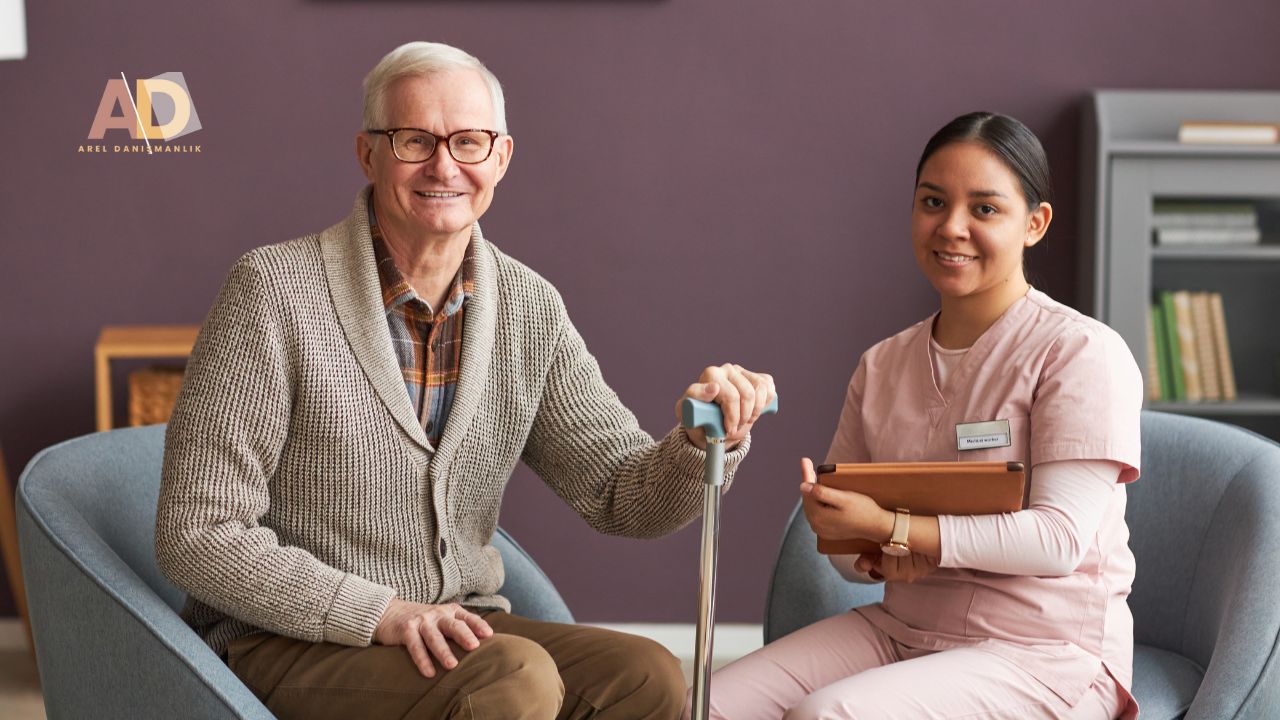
(741, 394)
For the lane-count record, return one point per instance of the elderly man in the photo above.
(351, 414)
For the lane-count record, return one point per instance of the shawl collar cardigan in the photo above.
(299, 492)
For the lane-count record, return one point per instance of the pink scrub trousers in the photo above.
(844, 667)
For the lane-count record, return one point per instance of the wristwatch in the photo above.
(897, 545)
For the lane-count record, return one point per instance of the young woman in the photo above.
(1020, 615)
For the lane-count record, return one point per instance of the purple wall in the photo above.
(703, 181)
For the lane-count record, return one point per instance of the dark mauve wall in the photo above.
(704, 181)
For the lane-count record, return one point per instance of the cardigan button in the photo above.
(444, 548)
(429, 426)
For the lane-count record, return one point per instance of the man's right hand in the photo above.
(424, 630)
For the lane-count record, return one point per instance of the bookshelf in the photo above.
(1130, 160)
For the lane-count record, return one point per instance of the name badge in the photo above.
(982, 435)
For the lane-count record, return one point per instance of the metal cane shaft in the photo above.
(705, 640)
(707, 417)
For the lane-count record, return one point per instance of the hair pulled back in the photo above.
(1010, 140)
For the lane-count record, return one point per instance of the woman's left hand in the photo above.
(904, 569)
(842, 514)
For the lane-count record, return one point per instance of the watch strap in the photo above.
(901, 527)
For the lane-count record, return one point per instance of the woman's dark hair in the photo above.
(1009, 139)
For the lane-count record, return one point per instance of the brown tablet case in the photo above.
(928, 488)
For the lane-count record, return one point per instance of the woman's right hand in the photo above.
(841, 514)
(424, 630)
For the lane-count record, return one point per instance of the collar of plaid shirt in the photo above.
(427, 345)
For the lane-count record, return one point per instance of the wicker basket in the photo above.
(152, 393)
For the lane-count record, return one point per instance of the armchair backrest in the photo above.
(1204, 516)
(805, 588)
(109, 642)
(105, 488)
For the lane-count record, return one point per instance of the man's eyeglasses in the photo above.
(413, 145)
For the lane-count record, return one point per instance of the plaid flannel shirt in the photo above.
(427, 343)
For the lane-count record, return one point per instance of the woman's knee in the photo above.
(820, 708)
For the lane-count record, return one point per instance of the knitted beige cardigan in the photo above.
(299, 492)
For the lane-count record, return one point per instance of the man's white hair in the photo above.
(420, 59)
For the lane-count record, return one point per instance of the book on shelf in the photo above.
(1208, 236)
(1205, 223)
(1228, 133)
(1206, 355)
(1187, 341)
(1167, 391)
(1187, 355)
(1153, 363)
(1182, 214)
(1219, 321)
(1172, 355)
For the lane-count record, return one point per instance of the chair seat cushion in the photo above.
(1164, 683)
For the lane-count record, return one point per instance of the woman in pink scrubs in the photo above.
(1021, 615)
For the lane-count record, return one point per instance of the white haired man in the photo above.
(351, 414)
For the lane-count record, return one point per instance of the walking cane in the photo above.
(697, 414)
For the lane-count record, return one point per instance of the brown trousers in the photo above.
(527, 670)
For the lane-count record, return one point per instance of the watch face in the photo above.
(895, 549)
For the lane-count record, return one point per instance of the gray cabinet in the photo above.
(1131, 158)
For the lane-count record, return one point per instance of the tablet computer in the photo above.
(926, 488)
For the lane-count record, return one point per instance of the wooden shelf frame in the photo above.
(134, 341)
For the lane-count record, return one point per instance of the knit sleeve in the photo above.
(222, 447)
(588, 447)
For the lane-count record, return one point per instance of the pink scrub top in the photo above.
(1071, 390)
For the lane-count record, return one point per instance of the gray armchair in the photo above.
(109, 642)
(1204, 524)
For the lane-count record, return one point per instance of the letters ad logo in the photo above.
(154, 109)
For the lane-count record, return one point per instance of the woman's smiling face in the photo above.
(970, 222)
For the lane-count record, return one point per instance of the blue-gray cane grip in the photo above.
(698, 414)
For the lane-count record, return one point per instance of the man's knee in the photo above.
(513, 672)
(648, 679)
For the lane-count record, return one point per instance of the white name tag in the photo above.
(982, 435)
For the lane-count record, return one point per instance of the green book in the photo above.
(1178, 384)
(1161, 351)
